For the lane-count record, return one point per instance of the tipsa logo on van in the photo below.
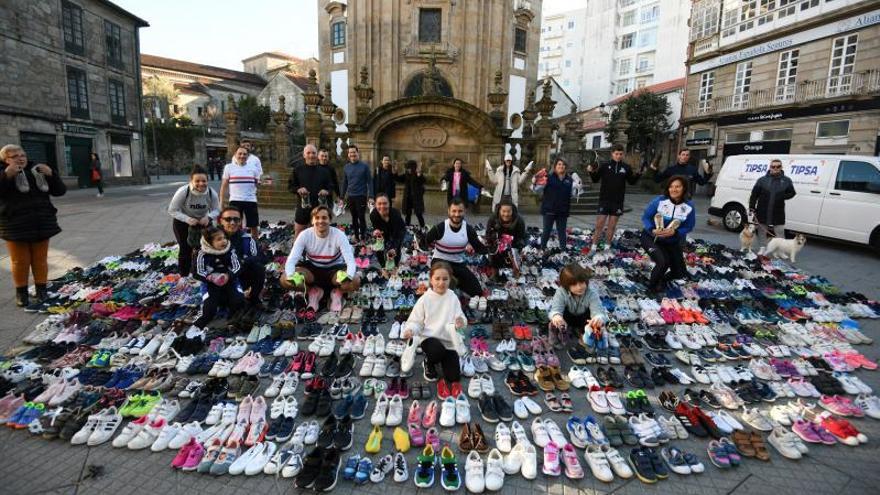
(804, 170)
(753, 168)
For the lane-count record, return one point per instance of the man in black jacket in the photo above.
(685, 168)
(614, 176)
(767, 202)
(252, 274)
(324, 160)
(313, 184)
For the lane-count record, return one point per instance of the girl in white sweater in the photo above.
(437, 308)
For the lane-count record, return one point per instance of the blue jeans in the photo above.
(561, 221)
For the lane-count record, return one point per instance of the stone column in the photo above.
(232, 131)
(573, 139)
(544, 127)
(312, 118)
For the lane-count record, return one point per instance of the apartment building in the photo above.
(783, 76)
(609, 48)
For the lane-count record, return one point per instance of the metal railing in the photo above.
(859, 83)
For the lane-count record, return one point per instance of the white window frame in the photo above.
(704, 19)
(820, 124)
(741, 85)
(643, 36)
(786, 75)
(707, 86)
(840, 68)
(649, 14)
(625, 66)
(632, 40)
(628, 16)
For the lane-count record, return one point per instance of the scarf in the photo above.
(208, 248)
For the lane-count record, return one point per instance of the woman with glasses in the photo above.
(193, 207)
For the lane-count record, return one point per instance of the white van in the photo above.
(838, 196)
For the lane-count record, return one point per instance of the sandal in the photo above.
(743, 443)
(479, 439)
(552, 402)
(565, 402)
(465, 440)
(757, 442)
(544, 378)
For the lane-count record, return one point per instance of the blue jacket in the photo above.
(557, 195)
(684, 212)
(356, 180)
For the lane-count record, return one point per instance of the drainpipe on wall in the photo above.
(140, 90)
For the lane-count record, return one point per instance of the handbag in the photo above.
(194, 236)
(96, 175)
(408, 358)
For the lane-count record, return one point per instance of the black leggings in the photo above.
(437, 353)
(357, 205)
(420, 215)
(185, 253)
(228, 296)
(667, 256)
(252, 276)
(467, 281)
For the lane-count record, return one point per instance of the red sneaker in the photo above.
(442, 389)
(455, 390)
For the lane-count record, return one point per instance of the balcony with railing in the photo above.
(785, 14)
(705, 45)
(855, 84)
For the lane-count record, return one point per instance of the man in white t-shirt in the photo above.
(252, 159)
(240, 180)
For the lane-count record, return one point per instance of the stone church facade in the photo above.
(429, 80)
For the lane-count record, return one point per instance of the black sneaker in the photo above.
(430, 372)
(657, 463)
(577, 354)
(312, 464)
(643, 466)
(327, 433)
(330, 365)
(487, 409)
(344, 435)
(345, 366)
(326, 479)
(505, 412)
(285, 429)
(325, 404)
(310, 405)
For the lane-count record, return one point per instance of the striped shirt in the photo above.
(242, 180)
(325, 252)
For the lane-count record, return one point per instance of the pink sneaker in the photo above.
(834, 404)
(430, 415)
(244, 410)
(551, 460)
(336, 300)
(193, 457)
(258, 410)
(573, 469)
(855, 360)
(415, 413)
(416, 437)
(805, 431)
(433, 438)
(183, 454)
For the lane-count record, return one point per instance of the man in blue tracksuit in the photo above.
(357, 188)
(684, 168)
(252, 274)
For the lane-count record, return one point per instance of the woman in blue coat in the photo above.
(667, 220)
(556, 202)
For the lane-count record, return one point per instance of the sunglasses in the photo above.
(775, 166)
(231, 219)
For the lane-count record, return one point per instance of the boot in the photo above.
(42, 292)
(21, 297)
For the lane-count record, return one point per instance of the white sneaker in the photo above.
(781, 440)
(617, 462)
(240, 464)
(184, 434)
(401, 473)
(599, 464)
(529, 462)
(531, 405)
(514, 459)
(380, 411)
(165, 436)
(494, 471)
(129, 432)
(108, 422)
(519, 409)
(260, 459)
(486, 384)
(503, 438)
(147, 435)
(395, 411)
(312, 432)
(447, 412)
(474, 479)
(539, 433)
(462, 410)
(475, 388)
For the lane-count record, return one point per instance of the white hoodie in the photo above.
(432, 313)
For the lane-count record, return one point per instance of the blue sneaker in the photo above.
(358, 406)
(343, 407)
(365, 466)
(351, 467)
(19, 413)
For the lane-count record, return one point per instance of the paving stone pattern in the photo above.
(129, 217)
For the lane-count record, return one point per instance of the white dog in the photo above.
(747, 237)
(785, 248)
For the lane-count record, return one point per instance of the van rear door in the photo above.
(851, 206)
(810, 177)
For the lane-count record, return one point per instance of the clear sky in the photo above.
(223, 32)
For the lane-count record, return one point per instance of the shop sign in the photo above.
(772, 115)
(79, 129)
(698, 142)
(849, 24)
(757, 148)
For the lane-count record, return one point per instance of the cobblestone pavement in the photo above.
(127, 218)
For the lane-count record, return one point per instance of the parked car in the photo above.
(838, 196)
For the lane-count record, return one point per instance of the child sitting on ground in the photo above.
(575, 306)
(217, 266)
(435, 319)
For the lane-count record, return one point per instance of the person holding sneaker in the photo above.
(575, 304)
(217, 266)
(387, 223)
(435, 320)
(667, 220)
(253, 270)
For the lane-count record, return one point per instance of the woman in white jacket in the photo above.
(429, 320)
(507, 179)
